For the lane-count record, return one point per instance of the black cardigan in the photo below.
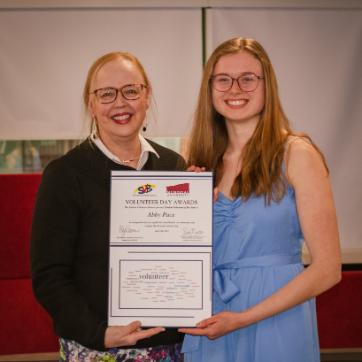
(70, 242)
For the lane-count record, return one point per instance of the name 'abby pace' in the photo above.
(161, 202)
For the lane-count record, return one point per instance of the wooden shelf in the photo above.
(27, 357)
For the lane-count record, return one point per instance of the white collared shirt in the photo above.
(146, 148)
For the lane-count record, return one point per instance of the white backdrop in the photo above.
(317, 55)
(45, 55)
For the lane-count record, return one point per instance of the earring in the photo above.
(94, 129)
(144, 128)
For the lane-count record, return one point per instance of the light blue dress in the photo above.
(257, 250)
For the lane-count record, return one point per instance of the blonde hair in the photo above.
(98, 64)
(262, 157)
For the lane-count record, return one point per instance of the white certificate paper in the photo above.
(160, 248)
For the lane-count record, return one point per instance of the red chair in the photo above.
(25, 327)
(340, 313)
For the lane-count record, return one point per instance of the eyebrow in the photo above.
(239, 74)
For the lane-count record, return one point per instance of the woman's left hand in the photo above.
(216, 326)
(194, 168)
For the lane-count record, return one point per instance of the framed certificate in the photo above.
(160, 248)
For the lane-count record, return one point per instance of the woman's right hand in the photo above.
(194, 168)
(129, 335)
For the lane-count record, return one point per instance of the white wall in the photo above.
(45, 54)
(317, 55)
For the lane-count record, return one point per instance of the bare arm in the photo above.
(307, 174)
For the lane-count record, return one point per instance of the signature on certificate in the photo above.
(124, 230)
(192, 234)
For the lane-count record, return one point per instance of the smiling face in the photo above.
(122, 119)
(236, 105)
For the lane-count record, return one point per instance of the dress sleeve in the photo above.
(56, 226)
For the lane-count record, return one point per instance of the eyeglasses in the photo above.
(247, 82)
(128, 91)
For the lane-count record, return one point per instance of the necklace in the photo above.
(126, 161)
(129, 160)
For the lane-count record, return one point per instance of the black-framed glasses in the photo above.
(128, 91)
(247, 82)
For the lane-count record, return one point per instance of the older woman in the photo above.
(70, 234)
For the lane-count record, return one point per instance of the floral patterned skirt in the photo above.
(74, 352)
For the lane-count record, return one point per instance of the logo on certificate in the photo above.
(179, 189)
(144, 189)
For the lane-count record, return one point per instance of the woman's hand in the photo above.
(216, 194)
(129, 335)
(216, 326)
(194, 168)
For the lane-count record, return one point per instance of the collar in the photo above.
(146, 148)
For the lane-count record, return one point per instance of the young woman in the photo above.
(273, 192)
(70, 234)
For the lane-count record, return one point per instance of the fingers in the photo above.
(147, 333)
(134, 337)
(194, 168)
(194, 331)
(210, 332)
(207, 332)
(119, 336)
(216, 194)
(205, 323)
(199, 326)
(215, 326)
(130, 328)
